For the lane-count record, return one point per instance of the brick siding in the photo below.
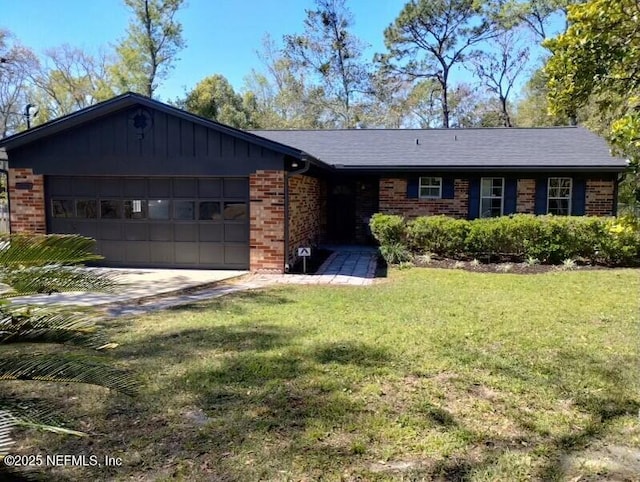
(526, 200)
(307, 213)
(266, 193)
(27, 203)
(600, 197)
(393, 200)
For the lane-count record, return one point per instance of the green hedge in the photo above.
(549, 239)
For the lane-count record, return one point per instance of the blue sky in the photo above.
(222, 35)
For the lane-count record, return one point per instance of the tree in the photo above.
(17, 65)
(282, 97)
(535, 15)
(147, 54)
(214, 98)
(70, 79)
(499, 69)
(329, 51)
(532, 108)
(38, 264)
(431, 37)
(598, 60)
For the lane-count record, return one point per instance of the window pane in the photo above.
(62, 208)
(110, 209)
(87, 209)
(496, 188)
(135, 209)
(486, 188)
(430, 192)
(235, 211)
(559, 206)
(159, 209)
(184, 210)
(209, 210)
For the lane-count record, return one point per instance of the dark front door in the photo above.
(341, 218)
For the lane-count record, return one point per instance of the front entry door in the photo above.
(341, 218)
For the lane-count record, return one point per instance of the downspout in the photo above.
(616, 187)
(287, 175)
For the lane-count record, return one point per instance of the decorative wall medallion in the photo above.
(141, 121)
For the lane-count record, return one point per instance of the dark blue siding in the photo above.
(474, 198)
(510, 195)
(412, 188)
(541, 195)
(578, 197)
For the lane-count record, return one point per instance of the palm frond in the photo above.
(66, 368)
(7, 424)
(20, 324)
(24, 250)
(54, 278)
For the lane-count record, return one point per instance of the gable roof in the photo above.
(131, 99)
(550, 148)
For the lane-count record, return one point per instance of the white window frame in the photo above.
(549, 197)
(492, 197)
(430, 186)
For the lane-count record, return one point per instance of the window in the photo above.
(491, 197)
(159, 209)
(559, 196)
(87, 208)
(135, 209)
(184, 210)
(235, 211)
(110, 209)
(62, 208)
(209, 210)
(431, 187)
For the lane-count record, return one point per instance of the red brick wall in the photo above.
(307, 210)
(526, 200)
(27, 205)
(600, 197)
(266, 193)
(393, 200)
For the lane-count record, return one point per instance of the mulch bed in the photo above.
(502, 267)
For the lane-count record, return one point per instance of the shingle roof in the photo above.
(482, 148)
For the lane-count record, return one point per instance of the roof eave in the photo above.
(539, 168)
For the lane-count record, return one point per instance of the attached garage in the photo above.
(175, 222)
(156, 186)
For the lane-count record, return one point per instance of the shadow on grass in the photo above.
(234, 304)
(181, 345)
(350, 352)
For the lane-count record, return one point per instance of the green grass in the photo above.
(430, 375)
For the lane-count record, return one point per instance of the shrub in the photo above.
(438, 234)
(388, 229)
(547, 239)
(395, 253)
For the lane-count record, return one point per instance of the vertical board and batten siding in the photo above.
(111, 146)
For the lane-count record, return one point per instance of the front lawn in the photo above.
(431, 374)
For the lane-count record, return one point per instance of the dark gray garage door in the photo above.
(163, 222)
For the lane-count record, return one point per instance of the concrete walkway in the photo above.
(136, 285)
(145, 290)
(347, 265)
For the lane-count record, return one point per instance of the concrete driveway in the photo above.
(137, 285)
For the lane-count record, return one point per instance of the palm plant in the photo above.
(41, 264)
